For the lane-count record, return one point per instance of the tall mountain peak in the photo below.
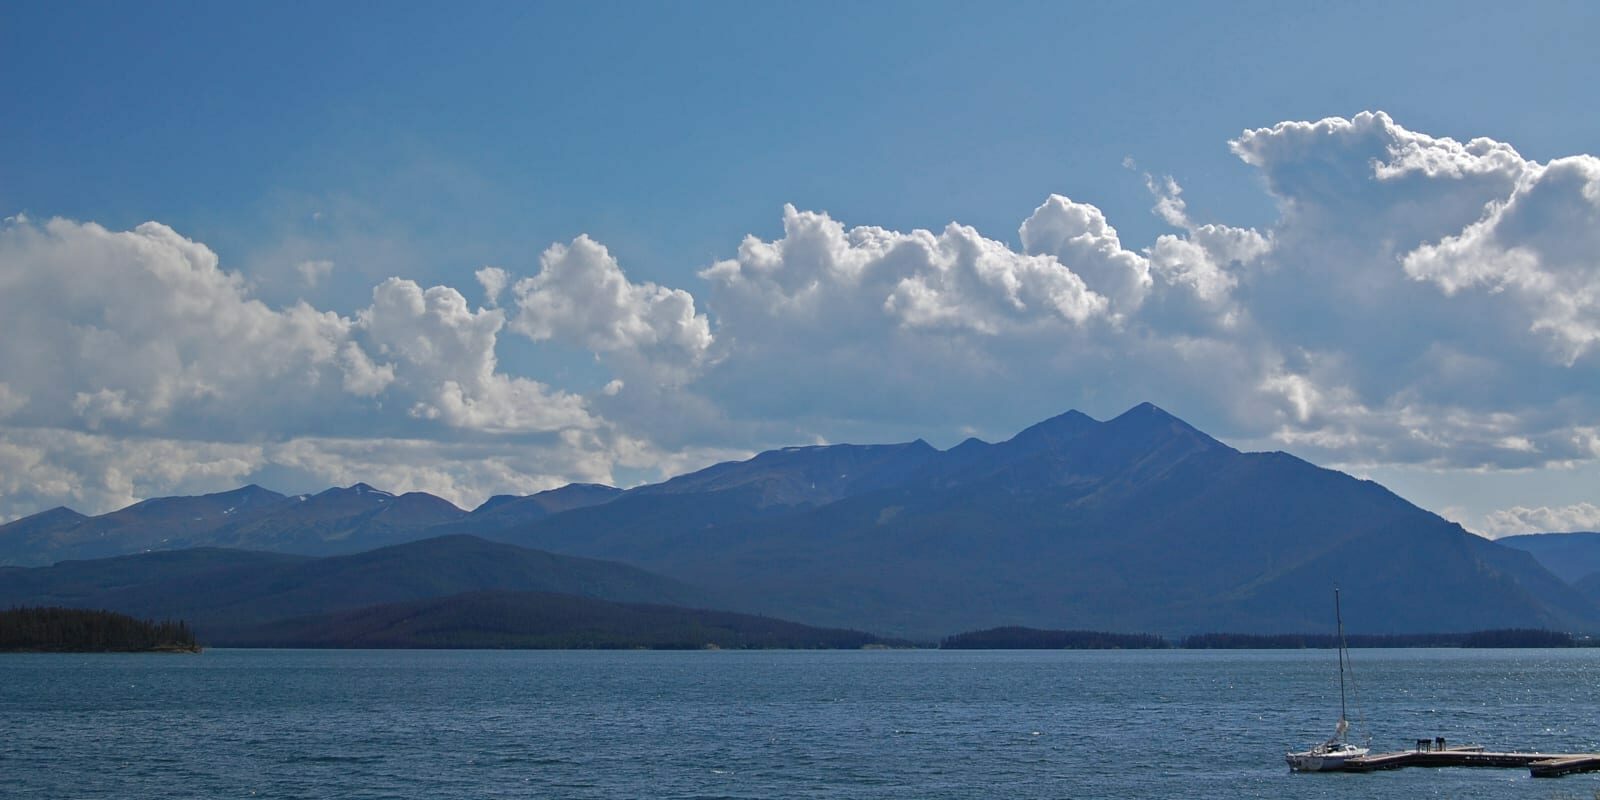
(1150, 420)
(1146, 413)
(1057, 429)
(354, 489)
(58, 517)
(247, 494)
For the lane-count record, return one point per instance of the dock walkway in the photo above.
(1540, 765)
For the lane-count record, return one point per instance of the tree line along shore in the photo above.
(51, 629)
(1018, 638)
(75, 630)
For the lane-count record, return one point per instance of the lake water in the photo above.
(911, 724)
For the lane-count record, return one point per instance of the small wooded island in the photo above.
(1019, 638)
(73, 630)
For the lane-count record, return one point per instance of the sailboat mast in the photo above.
(1338, 616)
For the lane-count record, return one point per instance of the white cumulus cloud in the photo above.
(142, 330)
(445, 357)
(1078, 235)
(494, 281)
(1204, 261)
(1542, 519)
(956, 280)
(133, 364)
(45, 467)
(1418, 300)
(581, 296)
(1539, 249)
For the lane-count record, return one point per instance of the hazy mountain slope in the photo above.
(1571, 556)
(119, 583)
(220, 590)
(805, 475)
(1589, 587)
(55, 519)
(508, 511)
(156, 524)
(647, 528)
(337, 521)
(539, 620)
(551, 501)
(24, 540)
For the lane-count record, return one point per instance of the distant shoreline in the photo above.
(709, 650)
(545, 621)
(1018, 638)
(195, 650)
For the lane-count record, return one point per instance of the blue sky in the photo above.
(320, 151)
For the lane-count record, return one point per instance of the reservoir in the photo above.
(761, 724)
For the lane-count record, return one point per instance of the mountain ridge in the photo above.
(1138, 522)
(335, 520)
(1141, 522)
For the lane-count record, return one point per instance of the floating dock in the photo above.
(1540, 765)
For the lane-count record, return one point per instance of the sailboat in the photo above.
(1332, 754)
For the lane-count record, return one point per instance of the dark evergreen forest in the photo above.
(1510, 637)
(1015, 638)
(72, 630)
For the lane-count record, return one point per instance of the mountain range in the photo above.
(344, 520)
(1140, 523)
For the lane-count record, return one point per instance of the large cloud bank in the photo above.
(1583, 517)
(1419, 301)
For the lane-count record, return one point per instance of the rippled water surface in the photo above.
(913, 724)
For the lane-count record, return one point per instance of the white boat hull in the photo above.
(1313, 761)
